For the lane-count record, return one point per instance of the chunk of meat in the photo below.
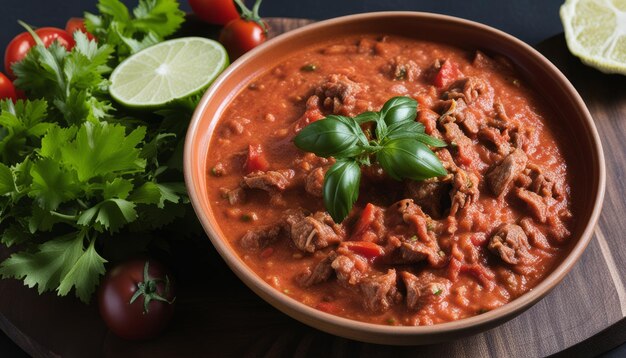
(338, 93)
(411, 251)
(236, 196)
(259, 238)
(314, 181)
(311, 114)
(271, 181)
(424, 289)
(471, 89)
(464, 145)
(535, 236)
(464, 191)
(349, 268)
(496, 138)
(379, 292)
(321, 272)
(432, 195)
(510, 244)
(502, 175)
(402, 69)
(534, 202)
(412, 214)
(313, 232)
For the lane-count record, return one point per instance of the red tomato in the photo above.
(218, 12)
(448, 73)
(7, 90)
(134, 306)
(22, 43)
(77, 24)
(240, 36)
(365, 220)
(256, 159)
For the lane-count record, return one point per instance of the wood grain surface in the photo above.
(218, 316)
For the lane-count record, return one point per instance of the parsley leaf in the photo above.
(52, 185)
(102, 148)
(84, 274)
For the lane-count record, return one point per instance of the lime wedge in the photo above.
(595, 31)
(167, 71)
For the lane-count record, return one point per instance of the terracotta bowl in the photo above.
(573, 120)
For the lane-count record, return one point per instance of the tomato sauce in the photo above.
(425, 253)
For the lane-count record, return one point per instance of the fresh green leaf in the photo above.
(14, 235)
(41, 219)
(431, 141)
(51, 184)
(409, 159)
(153, 193)
(161, 17)
(47, 266)
(84, 274)
(399, 109)
(102, 148)
(341, 188)
(119, 188)
(367, 117)
(332, 136)
(7, 183)
(111, 214)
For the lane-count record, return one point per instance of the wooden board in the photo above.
(218, 316)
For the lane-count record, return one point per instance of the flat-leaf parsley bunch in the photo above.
(398, 144)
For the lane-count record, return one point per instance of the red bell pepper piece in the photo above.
(366, 249)
(448, 73)
(256, 160)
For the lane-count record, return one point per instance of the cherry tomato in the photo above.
(218, 12)
(22, 43)
(77, 24)
(136, 298)
(240, 36)
(7, 90)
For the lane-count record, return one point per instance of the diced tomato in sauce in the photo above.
(256, 159)
(448, 73)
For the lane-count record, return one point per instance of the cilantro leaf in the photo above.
(84, 274)
(162, 17)
(46, 266)
(118, 188)
(154, 193)
(14, 235)
(102, 148)
(7, 183)
(21, 126)
(52, 185)
(110, 214)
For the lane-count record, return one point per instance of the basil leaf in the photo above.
(367, 117)
(404, 130)
(406, 158)
(399, 109)
(431, 141)
(341, 188)
(332, 136)
(381, 129)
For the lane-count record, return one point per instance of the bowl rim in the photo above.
(291, 306)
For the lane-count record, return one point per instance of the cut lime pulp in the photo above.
(168, 71)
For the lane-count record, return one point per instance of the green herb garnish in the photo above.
(398, 144)
(437, 292)
(308, 68)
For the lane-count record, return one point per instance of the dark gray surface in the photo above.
(530, 20)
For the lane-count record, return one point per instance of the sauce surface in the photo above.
(410, 253)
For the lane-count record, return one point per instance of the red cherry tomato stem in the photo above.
(252, 15)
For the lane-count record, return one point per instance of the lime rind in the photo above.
(595, 31)
(167, 72)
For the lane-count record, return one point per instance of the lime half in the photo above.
(167, 71)
(595, 31)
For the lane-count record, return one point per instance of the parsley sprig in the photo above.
(398, 144)
(76, 169)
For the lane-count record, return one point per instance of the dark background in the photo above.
(530, 20)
